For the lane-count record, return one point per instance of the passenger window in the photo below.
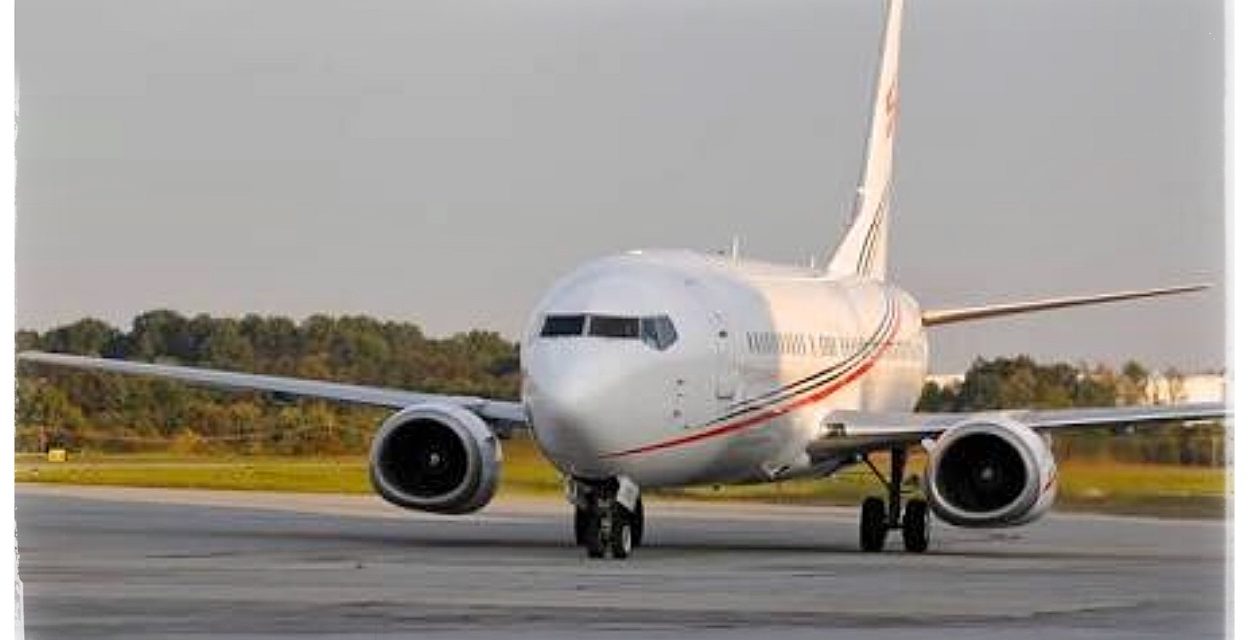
(556, 326)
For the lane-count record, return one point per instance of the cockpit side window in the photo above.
(563, 325)
(658, 332)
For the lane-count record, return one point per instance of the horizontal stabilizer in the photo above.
(949, 316)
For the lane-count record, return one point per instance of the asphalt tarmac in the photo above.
(143, 563)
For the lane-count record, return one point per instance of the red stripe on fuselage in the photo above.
(833, 386)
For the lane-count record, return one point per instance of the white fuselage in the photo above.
(762, 353)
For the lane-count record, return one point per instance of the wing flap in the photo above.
(495, 410)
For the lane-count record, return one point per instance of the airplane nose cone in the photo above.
(574, 403)
(561, 400)
(563, 396)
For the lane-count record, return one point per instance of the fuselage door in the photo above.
(726, 369)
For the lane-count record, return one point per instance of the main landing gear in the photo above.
(877, 518)
(608, 516)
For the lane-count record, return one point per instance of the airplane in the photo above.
(655, 369)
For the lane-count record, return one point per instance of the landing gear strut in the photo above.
(877, 517)
(608, 516)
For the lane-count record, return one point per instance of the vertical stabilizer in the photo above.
(862, 250)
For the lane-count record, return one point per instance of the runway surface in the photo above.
(141, 563)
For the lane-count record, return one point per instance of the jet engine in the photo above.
(435, 457)
(990, 472)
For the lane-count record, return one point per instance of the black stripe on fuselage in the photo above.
(818, 374)
(816, 379)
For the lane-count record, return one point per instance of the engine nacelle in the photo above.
(435, 457)
(990, 472)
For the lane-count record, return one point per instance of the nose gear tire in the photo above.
(580, 524)
(621, 534)
(636, 521)
(593, 539)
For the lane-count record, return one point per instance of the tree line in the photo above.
(1020, 382)
(64, 407)
(110, 412)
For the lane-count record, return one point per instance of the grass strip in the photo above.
(1098, 486)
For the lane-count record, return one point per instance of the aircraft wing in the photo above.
(937, 317)
(498, 411)
(844, 430)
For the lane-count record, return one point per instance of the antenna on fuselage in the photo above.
(735, 250)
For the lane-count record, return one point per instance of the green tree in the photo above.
(88, 337)
(1132, 383)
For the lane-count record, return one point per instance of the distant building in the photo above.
(944, 379)
(1202, 387)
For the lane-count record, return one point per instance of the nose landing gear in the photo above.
(608, 516)
(876, 518)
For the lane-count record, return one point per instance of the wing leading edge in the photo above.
(865, 430)
(499, 411)
(949, 316)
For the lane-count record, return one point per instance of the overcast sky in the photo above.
(444, 161)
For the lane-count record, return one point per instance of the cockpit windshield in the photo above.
(614, 327)
(657, 332)
(555, 326)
